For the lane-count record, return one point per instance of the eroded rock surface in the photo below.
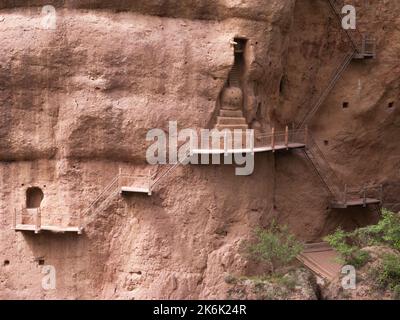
(76, 104)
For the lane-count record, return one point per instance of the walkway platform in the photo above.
(55, 229)
(135, 183)
(146, 190)
(360, 202)
(31, 220)
(260, 149)
(321, 259)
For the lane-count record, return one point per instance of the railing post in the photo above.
(80, 227)
(273, 139)
(225, 143)
(119, 178)
(364, 44)
(38, 218)
(306, 135)
(14, 219)
(252, 141)
(287, 137)
(364, 196)
(381, 194)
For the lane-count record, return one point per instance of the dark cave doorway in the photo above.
(34, 197)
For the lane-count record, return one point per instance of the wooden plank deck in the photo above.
(55, 229)
(321, 259)
(268, 148)
(354, 203)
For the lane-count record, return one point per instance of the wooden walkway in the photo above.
(321, 259)
(136, 189)
(267, 148)
(35, 223)
(275, 141)
(360, 202)
(55, 229)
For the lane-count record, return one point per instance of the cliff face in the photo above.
(76, 104)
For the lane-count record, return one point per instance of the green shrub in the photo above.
(275, 246)
(350, 254)
(388, 272)
(348, 244)
(387, 231)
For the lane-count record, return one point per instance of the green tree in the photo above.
(275, 246)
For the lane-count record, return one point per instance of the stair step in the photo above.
(231, 113)
(231, 126)
(231, 120)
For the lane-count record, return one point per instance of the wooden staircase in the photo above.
(341, 196)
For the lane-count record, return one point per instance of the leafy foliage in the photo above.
(351, 254)
(275, 246)
(387, 274)
(387, 231)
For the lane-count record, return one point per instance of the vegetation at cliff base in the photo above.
(352, 246)
(274, 246)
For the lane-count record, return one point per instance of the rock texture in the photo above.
(76, 104)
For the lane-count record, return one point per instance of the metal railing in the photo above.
(106, 193)
(279, 139)
(365, 193)
(39, 217)
(228, 141)
(321, 165)
(354, 35)
(339, 191)
(321, 99)
(362, 46)
(158, 177)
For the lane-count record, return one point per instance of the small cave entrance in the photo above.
(239, 63)
(34, 197)
(345, 105)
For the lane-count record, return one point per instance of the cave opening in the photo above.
(345, 105)
(34, 197)
(237, 70)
